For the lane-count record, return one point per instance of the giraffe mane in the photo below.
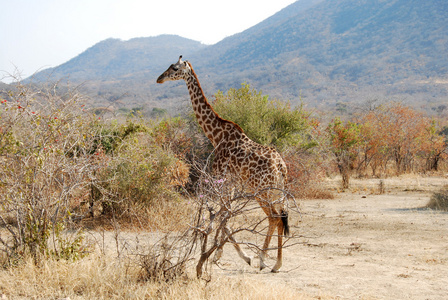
(207, 103)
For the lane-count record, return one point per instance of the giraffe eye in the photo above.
(175, 68)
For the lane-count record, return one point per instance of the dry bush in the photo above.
(142, 176)
(439, 200)
(220, 212)
(46, 163)
(167, 259)
(306, 171)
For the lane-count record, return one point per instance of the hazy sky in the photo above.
(37, 34)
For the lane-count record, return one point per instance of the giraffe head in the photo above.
(176, 71)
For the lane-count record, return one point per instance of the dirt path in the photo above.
(361, 246)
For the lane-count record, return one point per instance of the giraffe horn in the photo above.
(180, 59)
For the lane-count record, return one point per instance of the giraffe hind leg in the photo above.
(263, 251)
(278, 264)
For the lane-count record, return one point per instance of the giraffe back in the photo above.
(253, 165)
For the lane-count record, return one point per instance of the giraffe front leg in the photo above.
(219, 250)
(218, 255)
(247, 258)
(241, 253)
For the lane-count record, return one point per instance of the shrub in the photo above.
(306, 171)
(439, 200)
(174, 135)
(167, 259)
(45, 165)
(141, 172)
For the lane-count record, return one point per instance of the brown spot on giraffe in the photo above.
(238, 156)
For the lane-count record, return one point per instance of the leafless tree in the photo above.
(224, 209)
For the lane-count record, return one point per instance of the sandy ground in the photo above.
(362, 245)
(359, 245)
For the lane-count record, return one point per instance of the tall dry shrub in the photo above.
(225, 209)
(46, 164)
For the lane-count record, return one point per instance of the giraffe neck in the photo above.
(215, 128)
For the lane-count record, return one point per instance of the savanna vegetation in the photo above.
(65, 169)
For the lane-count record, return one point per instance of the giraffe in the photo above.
(236, 155)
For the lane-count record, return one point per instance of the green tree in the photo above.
(268, 122)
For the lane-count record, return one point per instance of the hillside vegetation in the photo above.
(321, 52)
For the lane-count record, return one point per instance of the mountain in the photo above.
(322, 52)
(341, 49)
(115, 59)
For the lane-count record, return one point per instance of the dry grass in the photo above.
(101, 277)
(96, 277)
(164, 216)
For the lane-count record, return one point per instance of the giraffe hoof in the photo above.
(249, 261)
(275, 271)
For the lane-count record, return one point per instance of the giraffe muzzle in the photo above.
(161, 79)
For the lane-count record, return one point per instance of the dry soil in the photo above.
(362, 245)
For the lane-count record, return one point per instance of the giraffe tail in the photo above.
(285, 223)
